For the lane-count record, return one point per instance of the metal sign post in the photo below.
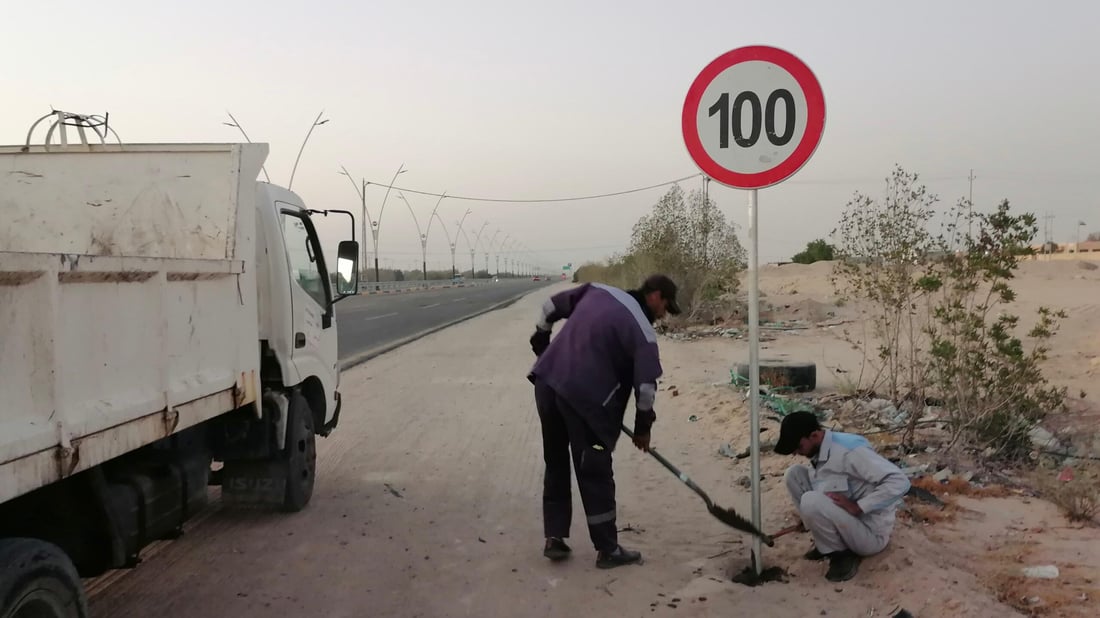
(751, 119)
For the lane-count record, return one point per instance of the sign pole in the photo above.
(751, 119)
(754, 376)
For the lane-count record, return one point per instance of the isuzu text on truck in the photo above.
(160, 310)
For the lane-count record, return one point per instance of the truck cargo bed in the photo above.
(127, 300)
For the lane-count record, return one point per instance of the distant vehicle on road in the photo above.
(536, 278)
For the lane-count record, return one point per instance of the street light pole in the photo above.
(428, 232)
(489, 246)
(477, 239)
(460, 222)
(362, 193)
(316, 123)
(423, 236)
(502, 245)
(376, 224)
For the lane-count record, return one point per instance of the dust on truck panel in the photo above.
(127, 299)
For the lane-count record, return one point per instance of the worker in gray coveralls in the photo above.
(583, 380)
(846, 497)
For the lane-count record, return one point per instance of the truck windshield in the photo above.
(302, 252)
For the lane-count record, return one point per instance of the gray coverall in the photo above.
(847, 464)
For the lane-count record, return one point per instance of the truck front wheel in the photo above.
(300, 454)
(38, 581)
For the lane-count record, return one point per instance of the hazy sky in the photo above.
(523, 100)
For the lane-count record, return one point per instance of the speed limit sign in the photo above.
(753, 117)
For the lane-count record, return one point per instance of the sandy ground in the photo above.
(428, 503)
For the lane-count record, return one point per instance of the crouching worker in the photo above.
(846, 497)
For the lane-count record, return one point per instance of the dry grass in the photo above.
(959, 487)
(1077, 497)
(947, 492)
(1041, 597)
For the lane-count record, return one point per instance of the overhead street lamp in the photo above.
(455, 241)
(423, 236)
(362, 193)
(489, 246)
(316, 123)
(376, 224)
(477, 239)
(499, 247)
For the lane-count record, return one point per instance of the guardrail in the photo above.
(371, 287)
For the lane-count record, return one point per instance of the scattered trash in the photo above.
(1046, 571)
(1042, 438)
(727, 451)
(774, 401)
(1066, 475)
(745, 482)
(912, 471)
(942, 475)
(392, 490)
(924, 496)
(693, 418)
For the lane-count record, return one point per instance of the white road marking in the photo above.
(429, 306)
(458, 300)
(379, 317)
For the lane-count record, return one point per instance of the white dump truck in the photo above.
(166, 324)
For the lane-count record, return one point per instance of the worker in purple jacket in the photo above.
(583, 380)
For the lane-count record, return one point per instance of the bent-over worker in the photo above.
(846, 497)
(583, 380)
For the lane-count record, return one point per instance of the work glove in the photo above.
(540, 341)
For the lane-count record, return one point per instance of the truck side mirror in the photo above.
(347, 268)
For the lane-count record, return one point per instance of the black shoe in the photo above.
(813, 555)
(619, 557)
(843, 565)
(556, 549)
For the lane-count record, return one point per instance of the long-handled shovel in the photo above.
(729, 517)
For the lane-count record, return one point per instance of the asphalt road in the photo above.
(373, 322)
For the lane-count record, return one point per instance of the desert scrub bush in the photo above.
(937, 305)
(883, 248)
(685, 236)
(990, 380)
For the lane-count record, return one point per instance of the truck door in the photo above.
(311, 293)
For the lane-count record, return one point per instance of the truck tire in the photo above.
(800, 377)
(38, 581)
(300, 454)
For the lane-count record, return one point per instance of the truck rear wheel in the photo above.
(38, 581)
(300, 454)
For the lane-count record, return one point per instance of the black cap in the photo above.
(795, 426)
(666, 287)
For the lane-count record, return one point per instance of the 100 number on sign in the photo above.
(761, 107)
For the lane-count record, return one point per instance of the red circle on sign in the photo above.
(815, 117)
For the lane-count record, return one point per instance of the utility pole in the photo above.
(970, 202)
(1048, 233)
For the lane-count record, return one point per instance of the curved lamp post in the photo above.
(362, 193)
(455, 241)
(423, 237)
(376, 224)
